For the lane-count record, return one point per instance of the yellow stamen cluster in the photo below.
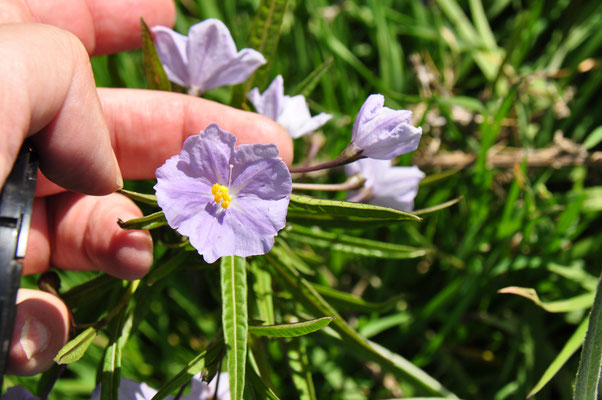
(220, 195)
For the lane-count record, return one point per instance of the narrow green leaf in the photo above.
(262, 391)
(262, 288)
(593, 199)
(570, 348)
(593, 138)
(378, 325)
(111, 369)
(590, 365)
(300, 368)
(303, 292)
(488, 60)
(287, 255)
(97, 287)
(234, 320)
(145, 198)
(559, 306)
(166, 268)
(438, 207)
(263, 37)
(156, 78)
(76, 348)
(481, 24)
(576, 273)
(151, 221)
(351, 244)
(306, 210)
(291, 330)
(309, 83)
(349, 301)
(195, 366)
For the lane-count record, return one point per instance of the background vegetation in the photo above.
(507, 94)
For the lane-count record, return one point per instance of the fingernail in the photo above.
(118, 177)
(34, 338)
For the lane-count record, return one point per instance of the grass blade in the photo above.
(264, 37)
(191, 369)
(571, 346)
(588, 375)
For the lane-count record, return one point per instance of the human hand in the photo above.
(86, 139)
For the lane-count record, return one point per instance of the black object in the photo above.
(16, 202)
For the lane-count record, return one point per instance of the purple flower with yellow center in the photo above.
(228, 200)
(290, 112)
(383, 133)
(205, 59)
(385, 185)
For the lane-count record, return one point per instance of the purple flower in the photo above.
(206, 59)
(385, 185)
(18, 393)
(290, 112)
(382, 133)
(131, 390)
(228, 201)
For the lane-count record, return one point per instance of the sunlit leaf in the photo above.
(292, 329)
(195, 366)
(438, 207)
(570, 348)
(76, 348)
(233, 275)
(352, 244)
(305, 210)
(264, 37)
(590, 365)
(309, 83)
(559, 306)
(300, 369)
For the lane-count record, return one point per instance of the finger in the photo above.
(41, 329)
(147, 127)
(103, 26)
(47, 73)
(79, 232)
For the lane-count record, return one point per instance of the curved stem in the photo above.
(350, 154)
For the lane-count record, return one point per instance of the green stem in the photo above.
(354, 182)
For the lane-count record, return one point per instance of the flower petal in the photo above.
(270, 103)
(290, 112)
(257, 168)
(171, 49)
(213, 59)
(130, 390)
(383, 133)
(297, 120)
(18, 393)
(388, 186)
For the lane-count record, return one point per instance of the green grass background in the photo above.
(507, 73)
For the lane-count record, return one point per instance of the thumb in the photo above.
(41, 329)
